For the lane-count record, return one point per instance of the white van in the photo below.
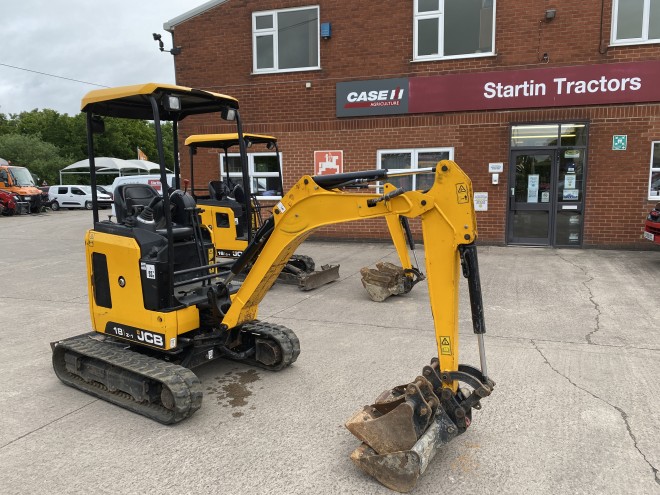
(63, 196)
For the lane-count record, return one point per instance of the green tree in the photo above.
(41, 158)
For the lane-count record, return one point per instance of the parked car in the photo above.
(62, 196)
(652, 227)
(12, 203)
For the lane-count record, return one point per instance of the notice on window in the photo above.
(545, 197)
(481, 201)
(533, 188)
(571, 195)
(569, 182)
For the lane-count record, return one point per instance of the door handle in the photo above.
(513, 191)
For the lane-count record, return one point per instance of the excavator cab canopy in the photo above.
(226, 141)
(173, 102)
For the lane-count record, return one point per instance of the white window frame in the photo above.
(439, 14)
(274, 32)
(653, 169)
(414, 159)
(644, 40)
(252, 173)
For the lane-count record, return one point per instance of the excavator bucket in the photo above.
(388, 280)
(406, 426)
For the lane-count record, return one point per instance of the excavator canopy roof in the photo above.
(133, 102)
(226, 141)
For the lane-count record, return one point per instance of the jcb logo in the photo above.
(150, 338)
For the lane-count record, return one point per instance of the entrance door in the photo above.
(546, 184)
(530, 208)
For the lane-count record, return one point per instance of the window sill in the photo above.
(285, 71)
(615, 44)
(454, 57)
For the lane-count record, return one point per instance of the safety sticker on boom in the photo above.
(445, 346)
(462, 193)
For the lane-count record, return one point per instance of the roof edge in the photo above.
(169, 25)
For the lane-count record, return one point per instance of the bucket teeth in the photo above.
(405, 426)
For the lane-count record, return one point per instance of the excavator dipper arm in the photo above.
(405, 427)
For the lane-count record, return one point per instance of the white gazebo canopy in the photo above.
(109, 165)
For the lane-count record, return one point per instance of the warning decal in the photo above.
(445, 346)
(462, 193)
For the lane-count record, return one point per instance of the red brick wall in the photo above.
(376, 42)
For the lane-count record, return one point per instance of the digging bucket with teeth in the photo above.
(403, 430)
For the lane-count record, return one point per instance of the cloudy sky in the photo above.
(108, 43)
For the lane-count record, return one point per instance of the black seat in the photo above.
(218, 189)
(239, 194)
(130, 200)
(183, 208)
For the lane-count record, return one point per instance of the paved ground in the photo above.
(573, 343)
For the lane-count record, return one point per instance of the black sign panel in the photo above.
(377, 97)
(145, 337)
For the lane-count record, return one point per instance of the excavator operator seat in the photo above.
(130, 200)
(183, 207)
(218, 189)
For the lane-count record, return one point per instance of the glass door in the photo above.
(570, 197)
(547, 170)
(530, 206)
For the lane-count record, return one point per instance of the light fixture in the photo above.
(174, 51)
(228, 113)
(550, 14)
(172, 103)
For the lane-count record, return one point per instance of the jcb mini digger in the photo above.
(160, 305)
(225, 207)
(224, 214)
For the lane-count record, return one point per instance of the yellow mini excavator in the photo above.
(224, 206)
(160, 305)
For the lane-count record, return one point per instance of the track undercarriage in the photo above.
(162, 386)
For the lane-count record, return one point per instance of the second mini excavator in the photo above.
(225, 207)
(160, 305)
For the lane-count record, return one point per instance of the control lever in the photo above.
(386, 197)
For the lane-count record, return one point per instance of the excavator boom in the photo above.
(406, 426)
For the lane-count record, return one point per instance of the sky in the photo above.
(107, 42)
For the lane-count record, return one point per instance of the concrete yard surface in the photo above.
(573, 343)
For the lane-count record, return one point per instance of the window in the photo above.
(78, 192)
(411, 159)
(453, 29)
(636, 21)
(285, 40)
(654, 182)
(264, 173)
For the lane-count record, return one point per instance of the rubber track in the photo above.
(283, 336)
(183, 384)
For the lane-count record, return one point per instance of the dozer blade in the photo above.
(311, 280)
(404, 428)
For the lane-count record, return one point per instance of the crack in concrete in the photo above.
(622, 413)
(47, 424)
(592, 298)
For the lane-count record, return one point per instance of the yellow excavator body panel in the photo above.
(116, 300)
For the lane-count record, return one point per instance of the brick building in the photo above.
(551, 107)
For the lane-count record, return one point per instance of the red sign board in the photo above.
(328, 162)
(602, 84)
